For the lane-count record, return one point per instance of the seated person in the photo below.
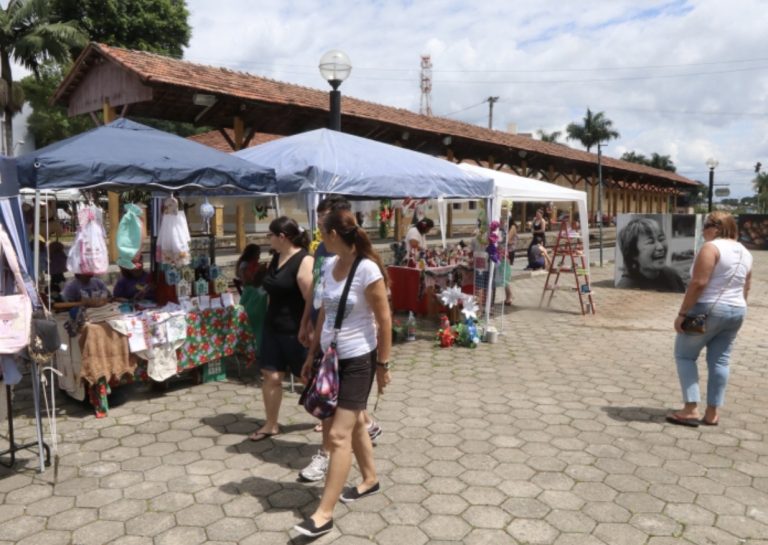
(538, 258)
(134, 284)
(86, 288)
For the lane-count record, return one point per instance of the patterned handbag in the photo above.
(321, 395)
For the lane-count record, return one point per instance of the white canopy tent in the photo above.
(521, 189)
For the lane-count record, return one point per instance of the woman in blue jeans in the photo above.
(720, 280)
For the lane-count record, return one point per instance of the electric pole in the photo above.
(491, 102)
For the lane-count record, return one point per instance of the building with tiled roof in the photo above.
(150, 85)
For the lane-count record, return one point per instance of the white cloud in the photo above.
(547, 60)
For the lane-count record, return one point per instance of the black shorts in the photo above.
(281, 352)
(355, 380)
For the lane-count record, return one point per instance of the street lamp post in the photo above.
(600, 198)
(335, 67)
(712, 164)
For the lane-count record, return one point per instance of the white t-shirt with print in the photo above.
(358, 328)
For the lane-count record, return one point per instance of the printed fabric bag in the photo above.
(321, 395)
(88, 254)
(15, 309)
(129, 236)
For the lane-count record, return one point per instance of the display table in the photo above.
(414, 289)
(212, 334)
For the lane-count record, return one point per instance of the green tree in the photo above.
(632, 157)
(595, 129)
(760, 183)
(662, 162)
(30, 34)
(158, 26)
(552, 137)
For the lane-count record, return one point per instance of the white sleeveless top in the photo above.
(733, 257)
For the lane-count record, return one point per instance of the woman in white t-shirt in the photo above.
(363, 344)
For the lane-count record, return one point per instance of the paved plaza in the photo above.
(554, 435)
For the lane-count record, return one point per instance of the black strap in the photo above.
(345, 293)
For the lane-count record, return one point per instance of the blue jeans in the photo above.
(723, 324)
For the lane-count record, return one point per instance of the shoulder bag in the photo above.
(321, 395)
(16, 309)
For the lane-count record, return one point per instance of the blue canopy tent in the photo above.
(125, 154)
(326, 161)
(11, 215)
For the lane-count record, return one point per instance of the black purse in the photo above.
(698, 322)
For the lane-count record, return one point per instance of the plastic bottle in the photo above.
(410, 327)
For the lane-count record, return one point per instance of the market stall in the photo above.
(521, 189)
(126, 155)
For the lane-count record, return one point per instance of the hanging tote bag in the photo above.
(88, 254)
(321, 395)
(16, 309)
(129, 236)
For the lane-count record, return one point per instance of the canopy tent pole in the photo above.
(491, 290)
(441, 212)
(36, 238)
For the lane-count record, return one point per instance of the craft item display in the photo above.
(88, 254)
(173, 238)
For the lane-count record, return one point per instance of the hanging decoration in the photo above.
(317, 238)
(493, 241)
(385, 217)
(260, 211)
(470, 307)
(207, 211)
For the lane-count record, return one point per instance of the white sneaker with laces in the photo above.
(317, 468)
(374, 431)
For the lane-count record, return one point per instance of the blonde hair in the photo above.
(724, 223)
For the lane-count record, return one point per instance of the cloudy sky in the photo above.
(685, 78)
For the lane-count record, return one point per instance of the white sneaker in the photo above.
(317, 468)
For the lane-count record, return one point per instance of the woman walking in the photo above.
(363, 344)
(288, 282)
(719, 286)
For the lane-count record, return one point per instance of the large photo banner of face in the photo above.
(753, 231)
(655, 251)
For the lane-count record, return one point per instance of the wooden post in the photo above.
(113, 202)
(449, 220)
(218, 220)
(240, 238)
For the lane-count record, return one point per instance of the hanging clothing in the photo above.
(173, 238)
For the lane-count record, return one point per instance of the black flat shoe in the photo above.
(309, 529)
(678, 421)
(351, 494)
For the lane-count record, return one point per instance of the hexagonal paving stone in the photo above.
(399, 535)
(571, 521)
(656, 525)
(483, 495)
(361, 524)
(171, 502)
(72, 519)
(444, 504)
(620, 533)
(199, 515)
(486, 517)
(98, 532)
(532, 531)
(182, 535)
(97, 498)
(50, 506)
(404, 514)
(47, 537)
(231, 529)
(21, 527)
(122, 510)
(150, 524)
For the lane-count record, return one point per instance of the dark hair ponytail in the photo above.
(343, 222)
(284, 225)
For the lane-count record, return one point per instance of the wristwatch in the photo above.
(384, 364)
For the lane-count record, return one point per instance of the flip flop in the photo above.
(318, 427)
(705, 423)
(678, 421)
(261, 435)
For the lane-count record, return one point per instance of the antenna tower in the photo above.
(425, 108)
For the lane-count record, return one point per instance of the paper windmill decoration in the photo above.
(470, 307)
(451, 297)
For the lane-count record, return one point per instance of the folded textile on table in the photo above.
(102, 313)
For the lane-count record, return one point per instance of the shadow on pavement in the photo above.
(636, 414)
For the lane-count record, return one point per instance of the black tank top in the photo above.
(286, 303)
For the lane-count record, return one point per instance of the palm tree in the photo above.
(552, 137)
(760, 184)
(596, 129)
(29, 35)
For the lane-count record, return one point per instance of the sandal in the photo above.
(318, 427)
(678, 420)
(261, 435)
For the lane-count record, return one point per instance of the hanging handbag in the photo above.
(15, 309)
(697, 323)
(321, 395)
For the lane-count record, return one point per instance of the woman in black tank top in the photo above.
(288, 282)
(539, 230)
